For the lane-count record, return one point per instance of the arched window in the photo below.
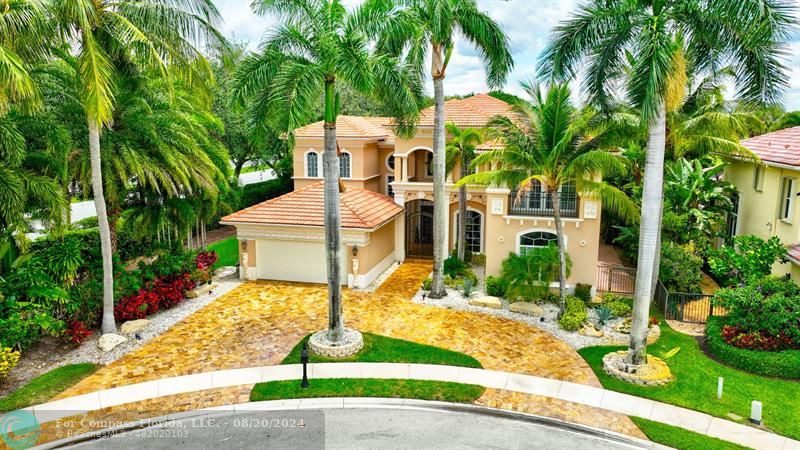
(312, 165)
(390, 162)
(344, 165)
(474, 232)
(536, 239)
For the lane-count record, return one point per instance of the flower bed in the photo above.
(785, 363)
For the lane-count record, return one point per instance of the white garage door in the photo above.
(294, 261)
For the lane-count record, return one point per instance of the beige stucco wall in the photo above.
(758, 210)
(381, 245)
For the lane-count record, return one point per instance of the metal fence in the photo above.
(615, 278)
(538, 204)
(685, 307)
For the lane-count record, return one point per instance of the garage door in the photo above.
(294, 261)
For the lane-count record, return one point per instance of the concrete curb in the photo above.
(528, 384)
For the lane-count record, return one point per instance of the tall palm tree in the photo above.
(423, 29)
(461, 149)
(317, 46)
(119, 37)
(664, 38)
(552, 147)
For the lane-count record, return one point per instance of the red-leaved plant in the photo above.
(756, 340)
(77, 332)
(205, 260)
(162, 293)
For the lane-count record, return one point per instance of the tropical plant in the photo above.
(603, 315)
(574, 316)
(495, 286)
(666, 40)
(460, 152)
(551, 150)
(317, 45)
(748, 258)
(426, 30)
(115, 38)
(681, 269)
(529, 275)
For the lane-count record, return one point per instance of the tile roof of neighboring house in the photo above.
(793, 251)
(491, 145)
(473, 111)
(359, 208)
(782, 147)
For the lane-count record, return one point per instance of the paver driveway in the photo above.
(259, 323)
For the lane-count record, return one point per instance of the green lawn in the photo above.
(385, 349)
(370, 387)
(681, 439)
(46, 386)
(227, 250)
(696, 384)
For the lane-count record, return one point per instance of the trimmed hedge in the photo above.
(253, 194)
(784, 364)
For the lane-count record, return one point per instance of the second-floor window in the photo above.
(312, 165)
(429, 164)
(344, 165)
(758, 178)
(787, 199)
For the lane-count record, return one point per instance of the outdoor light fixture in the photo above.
(304, 361)
(355, 250)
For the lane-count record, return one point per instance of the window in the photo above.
(473, 234)
(312, 164)
(466, 169)
(389, 181)
(429, 164)
(390, 162)
(732, 220)
(758, 178)
(536, 239)
(787, 199)
(344, 165)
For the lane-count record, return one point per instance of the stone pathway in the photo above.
(258, 323)
(204, 390)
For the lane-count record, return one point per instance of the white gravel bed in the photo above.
(455, 300)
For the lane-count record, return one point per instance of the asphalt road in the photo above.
(360, 428)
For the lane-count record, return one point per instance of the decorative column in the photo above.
(404, 165)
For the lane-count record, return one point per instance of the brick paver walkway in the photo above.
(259, 323)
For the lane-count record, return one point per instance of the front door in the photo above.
(419, 229)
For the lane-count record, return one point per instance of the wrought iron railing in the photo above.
(534, 203)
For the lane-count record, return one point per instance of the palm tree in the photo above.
(127, 36)
(551, 149)
(460, 153)
(24, 34)
(663, 38)
(428, 28)
(318, 45)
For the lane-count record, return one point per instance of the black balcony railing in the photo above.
(538, 204)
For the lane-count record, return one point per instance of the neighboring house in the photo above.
(387, 209)
(767, 193)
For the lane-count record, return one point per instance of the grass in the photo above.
(46, 386)
(695, 386)
(227, 250)
(681, 439)
(385, 349)
(371, 387)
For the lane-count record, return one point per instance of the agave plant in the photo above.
(603, 316)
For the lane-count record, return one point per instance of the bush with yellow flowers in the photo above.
(8, 359)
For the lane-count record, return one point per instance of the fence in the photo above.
(615, 278)
(685, 307)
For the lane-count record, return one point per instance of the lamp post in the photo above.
(304, 361)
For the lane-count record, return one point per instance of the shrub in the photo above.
(8, 360)
(255, 193)
(478, 259)
(529, 276)
(748, 258)
(495, 286)
(426, 284)
(62, 259)
(619, 308)
(77, 332)
(764, 313)
(584, 292)
(681, 270)
(137, 306)
(784, 364)
(205, 260)
(609, 297)
(454, 267)
(574, 316)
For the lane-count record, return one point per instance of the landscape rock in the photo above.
(226, 271)
(132, 326)
(109, 341)
(487, 302)
(531, 309)
(200, 290)
(591, 331)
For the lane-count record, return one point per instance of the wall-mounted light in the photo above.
(355, 250)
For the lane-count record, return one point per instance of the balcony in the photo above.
(538, 204)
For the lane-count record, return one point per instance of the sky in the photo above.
(527, 23)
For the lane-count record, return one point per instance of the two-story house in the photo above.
(387, 209)
(767, 194)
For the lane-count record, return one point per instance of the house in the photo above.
(767, 193)
(387, 209)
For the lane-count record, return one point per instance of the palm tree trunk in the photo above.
(462, 222)
(440, 203)
(657, 259)
(108, 324)
(555, 197)
(652, 201)
(333, 238)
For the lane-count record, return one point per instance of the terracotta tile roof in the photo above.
(490, 145)
(473, 111)
(351, 127)
(782, 147)
(793, 251)
(359, 208)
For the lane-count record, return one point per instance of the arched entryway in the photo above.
(419, 229)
